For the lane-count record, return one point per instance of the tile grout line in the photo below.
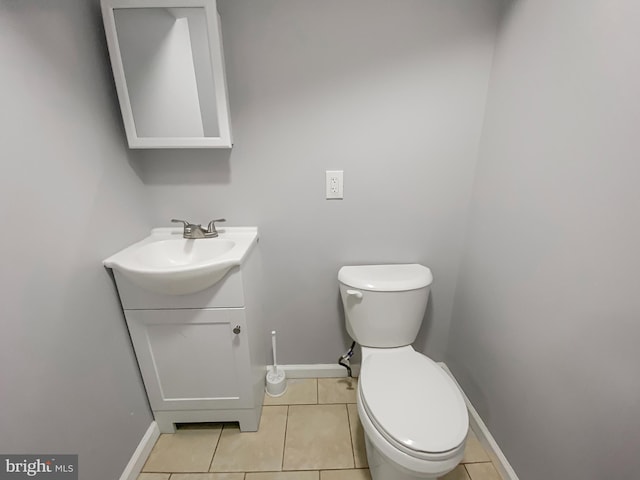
(480, 463)
(353, 450)
(464, 465)
(214, 449)
(284, 440)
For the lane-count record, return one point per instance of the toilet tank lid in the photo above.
(386, 278)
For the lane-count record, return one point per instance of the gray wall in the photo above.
(545, 330)
(68, 198)
(391, 92)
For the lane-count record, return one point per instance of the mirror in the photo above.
(167, 62)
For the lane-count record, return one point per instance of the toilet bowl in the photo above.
(414, 417)
(413, 414)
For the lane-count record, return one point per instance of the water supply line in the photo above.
(345, 359)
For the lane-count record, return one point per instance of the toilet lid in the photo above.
(413, 402)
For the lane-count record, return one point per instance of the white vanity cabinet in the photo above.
(202, 356)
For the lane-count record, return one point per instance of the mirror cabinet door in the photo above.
(168, 66)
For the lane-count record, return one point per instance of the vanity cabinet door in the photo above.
(193, 358)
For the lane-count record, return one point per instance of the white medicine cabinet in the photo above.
(168, 66)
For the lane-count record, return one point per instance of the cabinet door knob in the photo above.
(237, 329)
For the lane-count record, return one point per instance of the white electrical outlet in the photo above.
(334, 184)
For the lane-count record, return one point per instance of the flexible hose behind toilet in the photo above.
(345, 359)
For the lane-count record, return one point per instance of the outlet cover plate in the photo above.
(334, 185)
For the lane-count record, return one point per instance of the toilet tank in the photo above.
(384, 304)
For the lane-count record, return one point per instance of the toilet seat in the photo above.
(413, 403)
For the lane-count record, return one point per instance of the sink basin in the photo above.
(168, 264)
(180, 253)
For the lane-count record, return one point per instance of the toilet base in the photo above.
(383, 469)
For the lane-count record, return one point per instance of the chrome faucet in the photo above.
(193, 231)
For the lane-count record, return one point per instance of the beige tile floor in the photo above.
(310, 433)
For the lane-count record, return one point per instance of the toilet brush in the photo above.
(276, 381)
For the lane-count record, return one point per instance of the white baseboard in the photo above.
(318, 370)
(484, 435)
(142, 452)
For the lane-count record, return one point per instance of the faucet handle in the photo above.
(187, 232)
(175, 220)
(211, 229)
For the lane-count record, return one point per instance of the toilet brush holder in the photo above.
(276, 382)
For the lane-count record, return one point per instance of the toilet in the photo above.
(413, 414)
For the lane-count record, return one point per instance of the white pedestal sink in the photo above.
(166, 263)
